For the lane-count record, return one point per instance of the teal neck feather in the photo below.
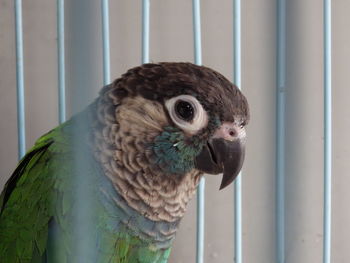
(174, 152)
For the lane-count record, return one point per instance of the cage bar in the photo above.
(280, 131)
(105, 41)
(238, 181)
(83, 24)
(21, 129)
(201, 187)
(327, 130)
(61, 62)
(197, 32)
(145, 30)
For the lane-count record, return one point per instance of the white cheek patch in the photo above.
(200, 119)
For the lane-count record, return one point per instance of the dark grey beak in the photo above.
(221, 156)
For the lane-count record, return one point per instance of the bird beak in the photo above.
(223, 153)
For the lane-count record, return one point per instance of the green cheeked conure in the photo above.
(147, 140)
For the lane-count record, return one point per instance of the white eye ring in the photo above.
(199, 120)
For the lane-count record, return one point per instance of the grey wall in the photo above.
(171, 40)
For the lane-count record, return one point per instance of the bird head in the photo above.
(170, 121)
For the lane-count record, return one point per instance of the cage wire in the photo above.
(85, 210)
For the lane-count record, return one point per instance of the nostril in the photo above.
(228, 131)
(232, 133)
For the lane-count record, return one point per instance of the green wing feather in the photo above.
(36, 206)
(28, 201)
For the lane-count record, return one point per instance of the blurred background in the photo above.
(171, 40)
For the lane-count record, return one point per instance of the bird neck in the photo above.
(119, 216)
(120, 139)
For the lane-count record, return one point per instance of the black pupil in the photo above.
(184, 110)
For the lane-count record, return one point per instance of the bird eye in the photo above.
(187, 113)
(184, 110)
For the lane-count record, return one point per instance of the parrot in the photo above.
(140, 150)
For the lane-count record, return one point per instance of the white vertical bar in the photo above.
(61, 62)
(200, 221)
(83, 18)
(201, 187)
(280, 131)
(238, 181)
(20, 81)
(197, 32)
(105, 39)
(327, 131)
(145, 30)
